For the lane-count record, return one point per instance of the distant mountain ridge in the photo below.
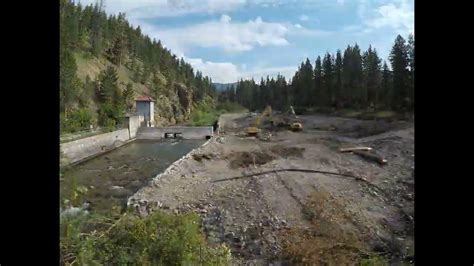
(224, 86)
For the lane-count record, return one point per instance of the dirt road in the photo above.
(298, 216)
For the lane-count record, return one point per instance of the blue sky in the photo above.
(232, 39)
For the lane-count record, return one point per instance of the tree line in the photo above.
(350, 79)
(88, 29)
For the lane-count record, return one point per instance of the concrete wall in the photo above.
(134, 122)
(81, 149)
(152, 111)
(187, 132)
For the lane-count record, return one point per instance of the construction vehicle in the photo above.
(253, 129)
(284, 120)
(295, 126)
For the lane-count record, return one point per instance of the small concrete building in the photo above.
(145, 106)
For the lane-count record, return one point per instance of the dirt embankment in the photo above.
(300, 217)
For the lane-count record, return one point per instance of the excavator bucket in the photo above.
(252, 131)
(296, 126)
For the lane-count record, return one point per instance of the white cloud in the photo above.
(226, 72)
(218, 72)
(362, 8)
(225, 18)
(299, 30)
(400, 17)
(304, 18)
(224, 34)
(167, 8)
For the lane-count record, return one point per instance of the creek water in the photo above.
(108, 180)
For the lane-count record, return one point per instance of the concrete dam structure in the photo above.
(155, 133)
(86, 148)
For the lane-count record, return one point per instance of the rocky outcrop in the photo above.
(175, 106)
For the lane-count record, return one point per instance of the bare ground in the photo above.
(298, 217)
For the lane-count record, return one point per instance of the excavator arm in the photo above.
(253, 129)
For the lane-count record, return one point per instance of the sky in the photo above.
(232, 39)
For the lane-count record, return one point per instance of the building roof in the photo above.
(144, 99)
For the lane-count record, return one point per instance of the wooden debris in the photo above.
(371, 156)
(355, 149)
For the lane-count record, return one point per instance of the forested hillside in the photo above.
(351, 80)
(105, 63)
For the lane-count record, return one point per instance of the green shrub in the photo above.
(78, 119)
(158, 239)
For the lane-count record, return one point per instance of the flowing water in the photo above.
(108, 180)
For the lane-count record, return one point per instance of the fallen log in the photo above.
(355, 149)
(371, 157)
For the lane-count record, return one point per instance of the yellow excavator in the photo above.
(284, 120)
(253, 129)
(295, 126)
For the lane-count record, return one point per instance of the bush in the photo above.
(158, 239)
(78, 119)
(110, 115)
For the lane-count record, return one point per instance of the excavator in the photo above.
(295, 125)
(253, 130)
(284, 120)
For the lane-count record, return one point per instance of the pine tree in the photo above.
(128, 97)
(358, 86)
(338, 78)
(327, 81)
(386, 86)
(257, 98)
(319, 95)
(108, 88)
(371, 70)
(399, 62)
(69, 84)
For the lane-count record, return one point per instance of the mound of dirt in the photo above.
(245, 159)
(286, 152)
(200, 157)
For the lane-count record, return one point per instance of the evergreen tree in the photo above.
(96, 28)
(338, 77)
(307, 83)
(352, 77)
(371, 70)
(128, 97)
(257, 98)
(69, 84)
(319, 95)
(386, 86)
(399, 62)
(108, 88)
(327, 81)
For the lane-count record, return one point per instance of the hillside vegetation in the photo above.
(105, 63)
